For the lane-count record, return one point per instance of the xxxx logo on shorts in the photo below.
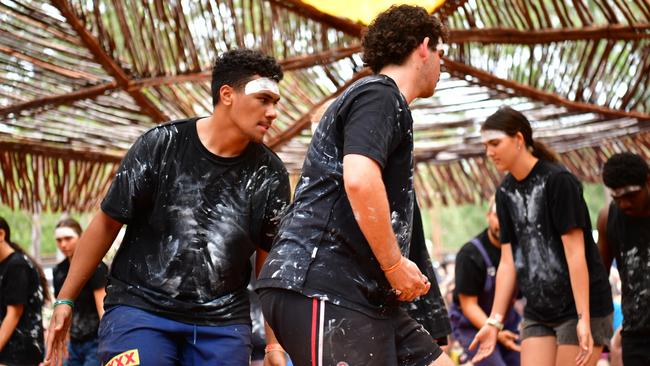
(342, 363)
(128, 358)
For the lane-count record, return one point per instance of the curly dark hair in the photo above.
(395, 33)
(625, 169)
(237, 67)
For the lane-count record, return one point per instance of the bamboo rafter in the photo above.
(75, 76)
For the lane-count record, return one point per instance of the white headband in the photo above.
(65, 232)
(260, 85)
(487, 135)
(618, 192)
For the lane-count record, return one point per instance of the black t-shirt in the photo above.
(85, 320)
(20, 285)
(320, 250)
(193, 220)
(471, 269)
(429, 310)
(533, 215)
(630, 240)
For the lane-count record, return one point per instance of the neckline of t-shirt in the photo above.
(196, 141)
(6, 260)
(394, 84)
(531, 173)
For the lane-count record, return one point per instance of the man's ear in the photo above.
(423, 48)
(225, 94)
(2, 234)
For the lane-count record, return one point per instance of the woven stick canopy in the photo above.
(81, 79)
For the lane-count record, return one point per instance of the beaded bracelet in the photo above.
(64, 302)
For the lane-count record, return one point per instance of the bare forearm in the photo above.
(9, 324)
(474, 313)
(99, 295)
(578, 272)
(367, 195)
(91, 248)
(505, 286)
(373, 218)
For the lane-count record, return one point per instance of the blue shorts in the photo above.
(131, 336)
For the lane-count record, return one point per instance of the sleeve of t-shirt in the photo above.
(277, 201)
(57, 280)
(98, 280)
(568, 208)
(371, 127)
(16, 286)
(132, 183)
(506, 229)
(470, 277)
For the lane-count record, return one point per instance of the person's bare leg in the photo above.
(443, 360)
(538, 351)
(566, 355)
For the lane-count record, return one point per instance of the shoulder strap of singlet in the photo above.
(488, 262)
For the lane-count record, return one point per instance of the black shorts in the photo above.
(318, 333)
(636, 350)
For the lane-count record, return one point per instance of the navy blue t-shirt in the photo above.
(193, 221)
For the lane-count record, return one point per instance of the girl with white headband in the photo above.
(89, 306)
(547, 251)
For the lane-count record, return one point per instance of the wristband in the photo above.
(394, 267)
(495, 323)
(64, 302)
(273, 347)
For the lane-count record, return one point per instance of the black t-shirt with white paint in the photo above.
(471, 268)
(85, 320)
(533, 215)
(20, 285)
(630, 240)
(193, 221)
(320, 250)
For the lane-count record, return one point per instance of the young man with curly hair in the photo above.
(624, 235)
(198, 196)
(333, 282)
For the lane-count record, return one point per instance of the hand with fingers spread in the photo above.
(57, 335)
(487, 339)
(407, 280)
(585, 341)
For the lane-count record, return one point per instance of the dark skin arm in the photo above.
(604, 247)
